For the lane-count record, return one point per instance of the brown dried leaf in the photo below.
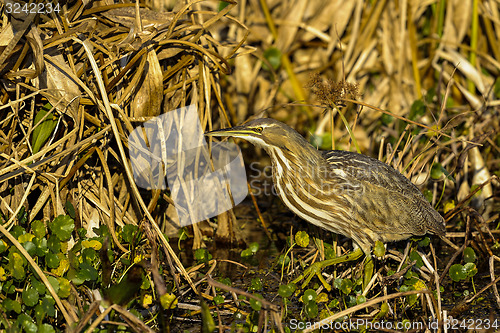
(147, 101)
(287, 32)
(481, 172)
(126, 16)
(6, 35)
(328, 15)
(457, 21)
(59, 85)
(18, 24)
(33, 38)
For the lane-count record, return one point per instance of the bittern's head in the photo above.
(272, 135)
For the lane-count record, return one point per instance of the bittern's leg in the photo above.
(317, 267)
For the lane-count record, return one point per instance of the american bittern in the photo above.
(343, 192)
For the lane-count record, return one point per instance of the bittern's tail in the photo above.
(435, 223)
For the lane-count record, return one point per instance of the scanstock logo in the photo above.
(171, 149)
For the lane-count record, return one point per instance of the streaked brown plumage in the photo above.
(343, 192)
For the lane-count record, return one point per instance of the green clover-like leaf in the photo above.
(25, 238)
(38, 228)
(334, 304)
(469, 255)
(48, 305)
(52, 260)
(302, 239)
(87, 272)
(457, 272)
(415, 256)
(38, 285)
(70, 209)
(311, 308)
(168, 301)
(46, 328)
(54, 283)
(129, 232)
(30, 248)
(11, 305)
(424, 242)
(282, 259)
(470, 269)
(309, 295)
(64, 287)
(346, 286)
(412, 299)
(202, 255)
(286, 290)
(16, 265)
(54, 244)
(256, 304)
(219, 299)
(27, 323)
(256, 284)
(360, 299)
(30, 297)
(379, 249)
(62, 227)
(273, 56)
(251, 250)
(41, 246)
(3, 246)
(254, 247)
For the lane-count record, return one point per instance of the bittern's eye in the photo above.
(259, 129)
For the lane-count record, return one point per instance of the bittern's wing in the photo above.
(385, 200)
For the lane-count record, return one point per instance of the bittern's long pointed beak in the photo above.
(237, 131)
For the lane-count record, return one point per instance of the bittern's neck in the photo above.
(300, 157)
